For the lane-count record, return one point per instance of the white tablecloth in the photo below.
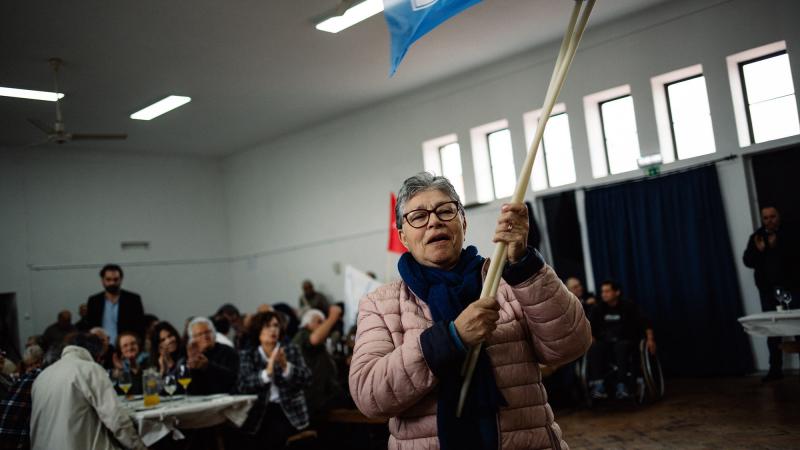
(773, 323)
(188, 412)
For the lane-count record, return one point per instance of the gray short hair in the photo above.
(423, 181)
(310, 315)
(199, 320)
(32, 355)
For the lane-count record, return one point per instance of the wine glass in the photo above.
(125, 381)
(786, 298)
(184, 377)
(779, 297)
(170, 385)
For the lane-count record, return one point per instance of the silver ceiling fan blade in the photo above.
(98, 137)
(41, 125)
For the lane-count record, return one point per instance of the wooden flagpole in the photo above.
(566, 54)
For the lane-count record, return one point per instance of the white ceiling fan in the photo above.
(57, 132)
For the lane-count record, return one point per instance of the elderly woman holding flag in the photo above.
(413, 334)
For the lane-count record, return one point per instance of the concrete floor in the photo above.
(728, 413)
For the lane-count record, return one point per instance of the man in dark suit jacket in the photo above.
(115, 309)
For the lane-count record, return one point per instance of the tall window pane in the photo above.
(450, 155)
(620, 134)
(558, 151)
(690, 118)
(501, 157)
(770, 98)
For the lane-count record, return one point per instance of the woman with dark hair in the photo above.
(166, 344)
(277, 374)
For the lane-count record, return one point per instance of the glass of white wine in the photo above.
(170, 385)
(125, 381)
(184, 377)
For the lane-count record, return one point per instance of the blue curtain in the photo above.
(666, 241)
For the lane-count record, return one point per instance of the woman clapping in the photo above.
(278, 374)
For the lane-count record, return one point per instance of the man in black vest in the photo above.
(115, 310)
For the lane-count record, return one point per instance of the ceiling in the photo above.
(255, 70)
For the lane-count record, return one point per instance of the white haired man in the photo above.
(214, 366)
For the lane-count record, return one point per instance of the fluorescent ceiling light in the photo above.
(32, 95)
(352, 16)
(160, 107)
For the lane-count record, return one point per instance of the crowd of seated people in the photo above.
(284, 359)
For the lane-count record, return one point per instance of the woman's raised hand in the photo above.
(512, 228)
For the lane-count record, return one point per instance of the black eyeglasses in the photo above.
(419, 218)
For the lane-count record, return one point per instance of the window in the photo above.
(501, 157)
(683, 115)
(690, 117)
(769, 94)
(763, 94)
(554, 165)
(493, 157)
(611, 129)
(442, 156)
(620, 135)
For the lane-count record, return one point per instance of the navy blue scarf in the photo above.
(447, 293)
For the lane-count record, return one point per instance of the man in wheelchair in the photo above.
(617, 327)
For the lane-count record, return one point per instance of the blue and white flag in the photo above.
(409, 20)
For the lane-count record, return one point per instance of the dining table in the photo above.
(772, 323)
(172, 414)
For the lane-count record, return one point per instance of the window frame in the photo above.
(598, 154)
(481, 159)
(530, 121)
(662, 104)
(432, 154)
(675, 155)
(740, 106)
(603, 129)
(740, 66)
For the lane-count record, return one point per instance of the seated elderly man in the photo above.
(214, 366)
(32, 358)
(310, 338)
(75, 406)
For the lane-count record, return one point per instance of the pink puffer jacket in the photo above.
(540, 322)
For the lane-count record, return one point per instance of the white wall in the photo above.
(299, 205)
(68, 210)
(249, 227)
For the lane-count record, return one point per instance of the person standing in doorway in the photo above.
(772, 253)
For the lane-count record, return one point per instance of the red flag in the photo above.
(394, 238)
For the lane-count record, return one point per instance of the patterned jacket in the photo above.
(15, 414)
(292, 400)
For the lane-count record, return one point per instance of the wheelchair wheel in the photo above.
(640, 391)
(652, 375)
